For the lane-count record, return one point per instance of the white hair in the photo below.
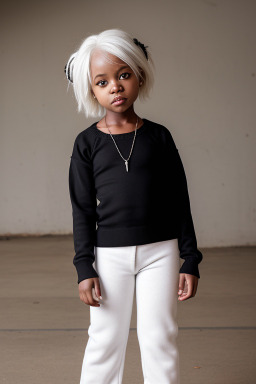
(118, 43)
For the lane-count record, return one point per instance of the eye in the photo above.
(101, 81)
(126, 73)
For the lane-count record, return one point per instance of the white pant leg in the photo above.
(157, 283)
(108, 332)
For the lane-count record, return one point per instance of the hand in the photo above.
(187, 286)
(89, 291)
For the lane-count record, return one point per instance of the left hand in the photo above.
(187, 286)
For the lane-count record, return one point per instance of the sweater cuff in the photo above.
(190, 266)
(85, 270)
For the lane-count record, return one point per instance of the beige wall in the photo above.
(204, 52)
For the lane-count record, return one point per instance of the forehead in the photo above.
(102, 60)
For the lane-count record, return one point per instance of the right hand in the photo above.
(89, 291)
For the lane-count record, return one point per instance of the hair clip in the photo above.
(67, 68)
(142, 46)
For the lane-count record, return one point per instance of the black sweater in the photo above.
(149, 203)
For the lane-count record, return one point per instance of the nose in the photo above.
(115, 86)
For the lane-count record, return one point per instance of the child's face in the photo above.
(116, 79)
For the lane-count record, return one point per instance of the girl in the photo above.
(144, 225)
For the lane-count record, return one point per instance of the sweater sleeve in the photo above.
(84, 203)
(187, 241)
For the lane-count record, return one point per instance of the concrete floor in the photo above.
(43, 323)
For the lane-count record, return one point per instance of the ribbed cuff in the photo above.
(190, 266)
(85, 270)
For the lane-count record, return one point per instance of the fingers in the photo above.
(87, 291)
(195, 287)
(97, 288)
(94, 296)
(187, 286)
(181, 283)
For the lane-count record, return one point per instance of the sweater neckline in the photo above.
(122, 135)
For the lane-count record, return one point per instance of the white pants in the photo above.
(153, 271)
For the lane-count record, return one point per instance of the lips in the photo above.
(119, 98)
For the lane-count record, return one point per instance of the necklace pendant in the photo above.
(126, 164)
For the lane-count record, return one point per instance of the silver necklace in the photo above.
(125, 160)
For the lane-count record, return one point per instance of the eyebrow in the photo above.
(104, 74)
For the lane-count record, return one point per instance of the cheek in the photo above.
(134, 86)
(99, 93)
